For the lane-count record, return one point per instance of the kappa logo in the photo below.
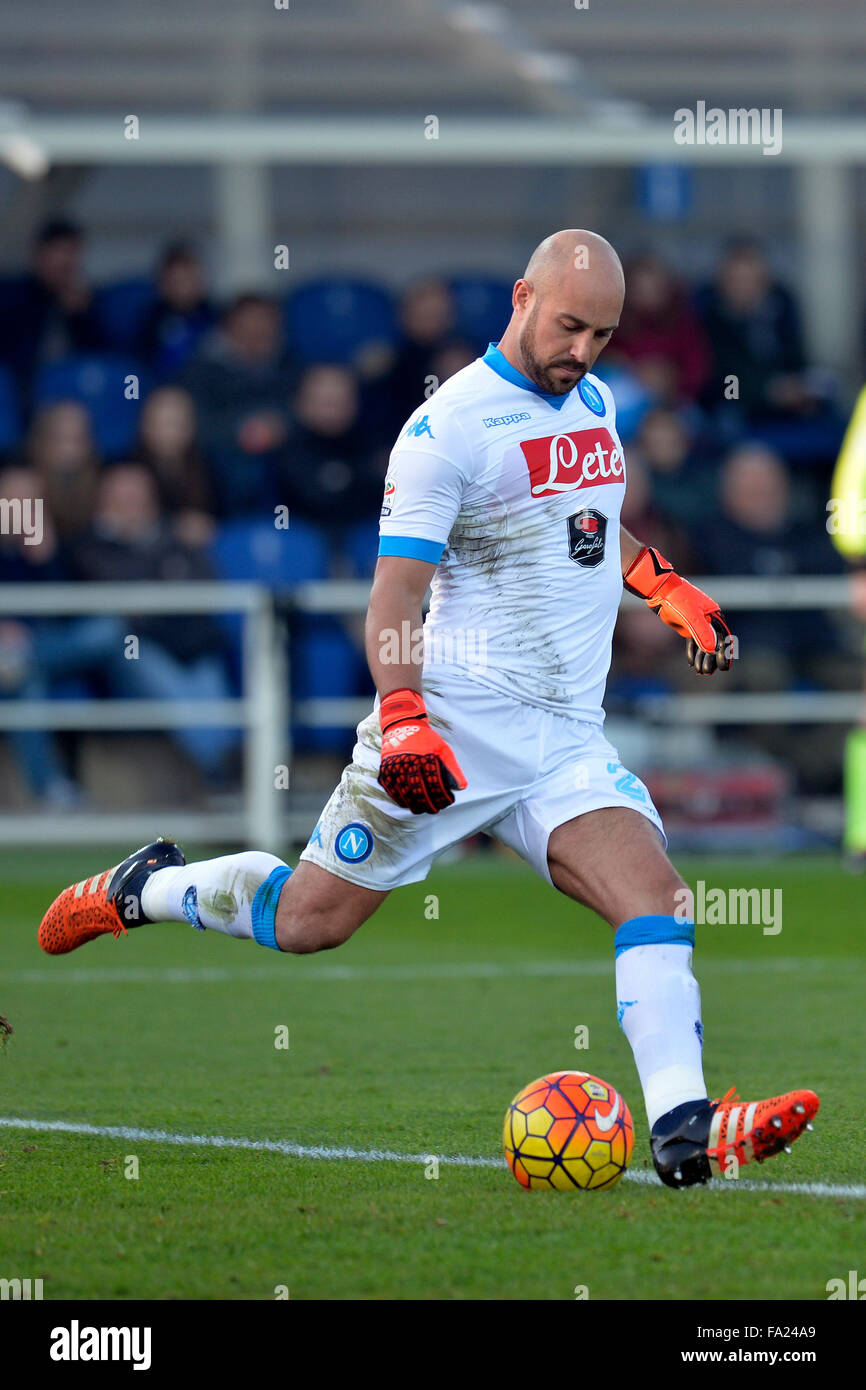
(490, 421)
(418, 427)
(354, 843)
(564, 462)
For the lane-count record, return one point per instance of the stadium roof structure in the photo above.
(240, 88)
(521, 57)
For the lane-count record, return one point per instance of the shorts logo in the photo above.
(627, 783)
(564, 462)
(586, 537)
(591, 397)
(354, 843)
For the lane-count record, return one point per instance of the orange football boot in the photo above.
(696, 1141)
(758, 1130)
(108, 902)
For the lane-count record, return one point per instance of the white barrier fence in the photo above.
(265, 818)
(261, 712)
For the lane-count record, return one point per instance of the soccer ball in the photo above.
(567, 1130)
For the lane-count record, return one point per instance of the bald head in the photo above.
(566, 306)
(561, 255)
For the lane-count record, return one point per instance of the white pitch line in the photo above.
(226, 1141)
(470, 970)
(283, 1146)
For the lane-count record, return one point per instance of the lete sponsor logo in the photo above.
(564, 462)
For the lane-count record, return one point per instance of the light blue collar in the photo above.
(501, 365)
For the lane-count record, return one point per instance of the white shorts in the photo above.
(527, 770)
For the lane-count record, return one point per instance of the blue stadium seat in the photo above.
(483, 308)
(256, 551)
(338, 320)
(325, 662)
(98, 381)
(10, 414)
(122, 309)
(361, 546)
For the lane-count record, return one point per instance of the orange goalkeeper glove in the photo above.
(688, 610)
(418, 770)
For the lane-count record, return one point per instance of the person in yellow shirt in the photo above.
(846, 522)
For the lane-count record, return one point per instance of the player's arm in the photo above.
(685, 608)
(418, 769)
(394, 617)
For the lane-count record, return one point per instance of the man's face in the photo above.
(57, 261)
(255, 330)
(566, 325)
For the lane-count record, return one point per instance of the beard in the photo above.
(543, 374)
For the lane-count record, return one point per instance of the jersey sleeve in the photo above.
(427, 474)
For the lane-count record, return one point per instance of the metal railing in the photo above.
(266, 818)
(261, 711)
(735, 595)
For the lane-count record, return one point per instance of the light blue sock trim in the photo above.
(264, 910)
(653, 930)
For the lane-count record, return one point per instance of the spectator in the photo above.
(30, 554)
(641, 516)
(167, 445)
(754, 329)
(427, 316)
(48, 312)
(660, 334)
(62, 452)
(451, 357)
(329, 472)
(682, 482)
(756, 532)
(178, 659)
(181, 313)
(240, 381)
(29, 551)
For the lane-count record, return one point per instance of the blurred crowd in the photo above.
(163, 429)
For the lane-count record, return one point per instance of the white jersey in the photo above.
(516, 496)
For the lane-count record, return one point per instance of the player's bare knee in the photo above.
(304, 929)
(670, 895)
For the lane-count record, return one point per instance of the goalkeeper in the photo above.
(504, 490)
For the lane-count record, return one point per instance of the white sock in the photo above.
(659, 1010)
(214, 893)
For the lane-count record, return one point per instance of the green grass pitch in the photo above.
(411, 1038)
